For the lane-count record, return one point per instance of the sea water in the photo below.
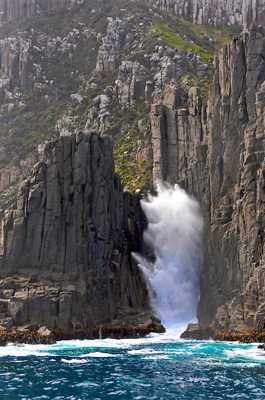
(157, 367)
(174, 234)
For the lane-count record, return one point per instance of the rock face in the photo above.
(66, 246)
(102, 85)
(15, 9)
(119, 58)
(215, 12)
(217, 153)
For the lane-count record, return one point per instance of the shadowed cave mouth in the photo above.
(174, 235)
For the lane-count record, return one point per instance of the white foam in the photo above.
(174, 233)
(226, 354)
(170, 336)
(15, 350)
(96, 343)
(143, 351)
(251, 353)
(237, 365)
(98, 355)
(23, 351)
(157, 357)
(74, 361)
(87, 384)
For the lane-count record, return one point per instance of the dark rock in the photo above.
(194, 332)
(216, 151)
(66, 262)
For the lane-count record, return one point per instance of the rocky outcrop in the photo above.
(131, 83)
(29, 81)
(179, 139)
(236, 163)
(15, 68)
(215, 12)
(134, 82)
(117, 60)
(113, 61)
(218, 155)
(66, 247)
(98, 68)
(14, 9)
(112, 44)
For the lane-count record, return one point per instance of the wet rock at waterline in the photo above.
(194, 331)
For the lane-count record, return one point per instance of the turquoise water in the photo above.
(158, 367)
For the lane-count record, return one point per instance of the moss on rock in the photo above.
(132, 162)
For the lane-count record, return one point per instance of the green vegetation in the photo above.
(22, 129)
(132, 163)
(175, 40)
(198, 39)
(189, 79)
(192, 80)
(218, 36)
(68, 71)
(205, 88)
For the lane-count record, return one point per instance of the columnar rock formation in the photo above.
(66, 246)
(216, 12)
(219, 156)
(14, 9)
(118, 59)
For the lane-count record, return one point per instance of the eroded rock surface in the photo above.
(71, 66)
(216, 151)
(215, 12)
(18, 9)
(66, 246)
(119, 58)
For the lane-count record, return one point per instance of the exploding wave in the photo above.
(174, 234)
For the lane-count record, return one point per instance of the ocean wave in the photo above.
(143, 351)
(98, 354)
(252, 353)
(24, 351)
(74, 361)
(156, 357)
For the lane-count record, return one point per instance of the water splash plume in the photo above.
(174, 234)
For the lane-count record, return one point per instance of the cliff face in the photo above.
(212, 12)
(17, 9)
(101, 85)
(215, 12)
(217, 153)
(236, 166)
(66, 246)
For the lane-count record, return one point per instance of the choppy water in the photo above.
(159, 367)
